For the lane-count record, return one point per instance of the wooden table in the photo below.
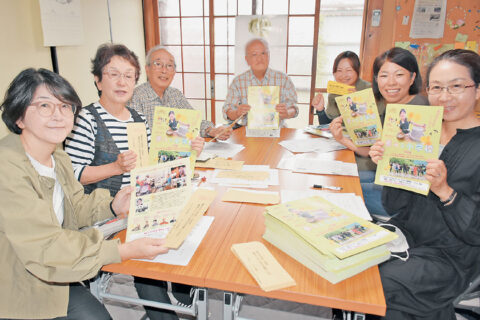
(215, 266)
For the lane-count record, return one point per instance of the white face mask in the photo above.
(399, 245)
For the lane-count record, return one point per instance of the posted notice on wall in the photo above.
(428, 19)
(62, 22)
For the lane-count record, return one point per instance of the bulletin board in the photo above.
(461, 30)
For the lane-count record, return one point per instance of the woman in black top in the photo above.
(443, 228)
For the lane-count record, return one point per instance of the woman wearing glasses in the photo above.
(43, 255)
(396, 79)
(98, 144)
(442, 229)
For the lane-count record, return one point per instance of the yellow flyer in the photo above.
(339, 88)
(160, 192)
(412, 136)
(172, 133)
(262, 115)
(360, 116)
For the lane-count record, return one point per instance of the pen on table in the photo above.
(319, 186)
(230, 126)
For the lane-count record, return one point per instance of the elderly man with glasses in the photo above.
(257, 55)
(160, 70)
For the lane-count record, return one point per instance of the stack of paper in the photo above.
(326, 238)
(303, 164)
(310, 145)
(262, 265)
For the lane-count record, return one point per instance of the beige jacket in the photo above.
(38, 256)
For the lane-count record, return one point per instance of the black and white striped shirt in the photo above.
(80, 143)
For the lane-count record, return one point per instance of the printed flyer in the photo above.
(339, 88)
(263, 119)
(161, 191)
(360, 116)
(412, 136)
(172, 133)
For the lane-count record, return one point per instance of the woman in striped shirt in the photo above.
(98, 145)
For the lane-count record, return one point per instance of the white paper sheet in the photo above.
(428, 19)
(310, 145)
(319, 166)
(62, 22)
(183, 255)
(223, 149)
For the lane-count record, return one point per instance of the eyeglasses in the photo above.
(116, 75)
(47, 109)
(452, 89)
(258, 54)
(158, 65)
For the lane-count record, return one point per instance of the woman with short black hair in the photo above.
(396, 79)
(44, 255)
(442, 228)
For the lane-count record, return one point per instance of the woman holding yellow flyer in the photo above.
(44, 254)
(441, 228)
(346, 70)
(98, 143)
(396, 79)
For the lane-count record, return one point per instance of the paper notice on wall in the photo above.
(428, 19)
(62, 22)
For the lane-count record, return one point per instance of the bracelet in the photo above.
(449, 199)
(111, 208)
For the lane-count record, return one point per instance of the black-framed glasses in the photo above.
(452, 89)
(160, 65)
(47, 109)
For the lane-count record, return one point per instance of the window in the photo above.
(201, 36)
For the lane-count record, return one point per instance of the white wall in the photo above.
(22, 41)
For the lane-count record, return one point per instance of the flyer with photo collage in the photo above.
(360, 116)
(172, 133)
(263, 119)
(412, 136)
(160, 193)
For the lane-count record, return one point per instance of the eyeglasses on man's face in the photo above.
(158, 65)
(116, 75)
(258, 54)
(456, 88)
(47, 109)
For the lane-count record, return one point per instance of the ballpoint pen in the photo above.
(319, 186)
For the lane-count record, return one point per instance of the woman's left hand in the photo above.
(436, 174)
(198, 144)
(121, 202)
